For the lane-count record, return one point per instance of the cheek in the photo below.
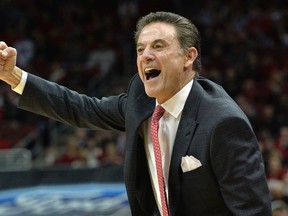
(141, 77)
(138, 64)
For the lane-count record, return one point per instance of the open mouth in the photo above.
(151, 73)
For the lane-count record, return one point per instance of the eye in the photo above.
(158, 46)
(139, 50)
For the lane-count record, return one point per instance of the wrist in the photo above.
(14, 79)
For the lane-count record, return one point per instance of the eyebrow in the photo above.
(155, 41)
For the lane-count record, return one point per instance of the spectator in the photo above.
(282, 144)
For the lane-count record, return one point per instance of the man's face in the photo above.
(162, 65)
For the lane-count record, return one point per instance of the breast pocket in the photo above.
(200, 187)
(201, 179)
(197, 173)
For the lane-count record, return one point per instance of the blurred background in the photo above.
(88, 46)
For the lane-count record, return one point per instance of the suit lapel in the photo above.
(183, 140)
(143, 183)
(139, 108)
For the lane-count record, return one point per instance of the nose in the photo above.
(147, 55)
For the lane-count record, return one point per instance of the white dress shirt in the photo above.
(167, 133)
(20, 87)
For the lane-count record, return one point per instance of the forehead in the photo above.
(157, 31)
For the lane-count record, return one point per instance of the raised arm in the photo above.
(60, 103)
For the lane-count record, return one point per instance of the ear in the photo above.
(191, 55)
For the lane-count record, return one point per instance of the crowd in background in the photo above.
(88, 46)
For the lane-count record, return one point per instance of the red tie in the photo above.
(158, 113)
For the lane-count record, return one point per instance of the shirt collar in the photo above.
(175, 105)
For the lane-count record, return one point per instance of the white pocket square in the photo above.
(189, 163)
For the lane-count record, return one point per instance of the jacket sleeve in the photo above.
(64, 105)
(239, 168)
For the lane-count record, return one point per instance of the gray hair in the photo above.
(187, 33)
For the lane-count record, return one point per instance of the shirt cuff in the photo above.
(20, 87)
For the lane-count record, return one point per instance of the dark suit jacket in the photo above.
(231, 180)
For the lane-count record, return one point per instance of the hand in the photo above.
(9, 73)
(7, 59)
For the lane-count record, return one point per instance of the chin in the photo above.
(150, 93)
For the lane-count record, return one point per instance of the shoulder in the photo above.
(216, 102)
(136, 91)
(136, 85)
(211, 88)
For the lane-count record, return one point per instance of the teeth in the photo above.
(149, 69)
(151, 73)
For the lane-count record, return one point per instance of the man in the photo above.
(210, 157)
